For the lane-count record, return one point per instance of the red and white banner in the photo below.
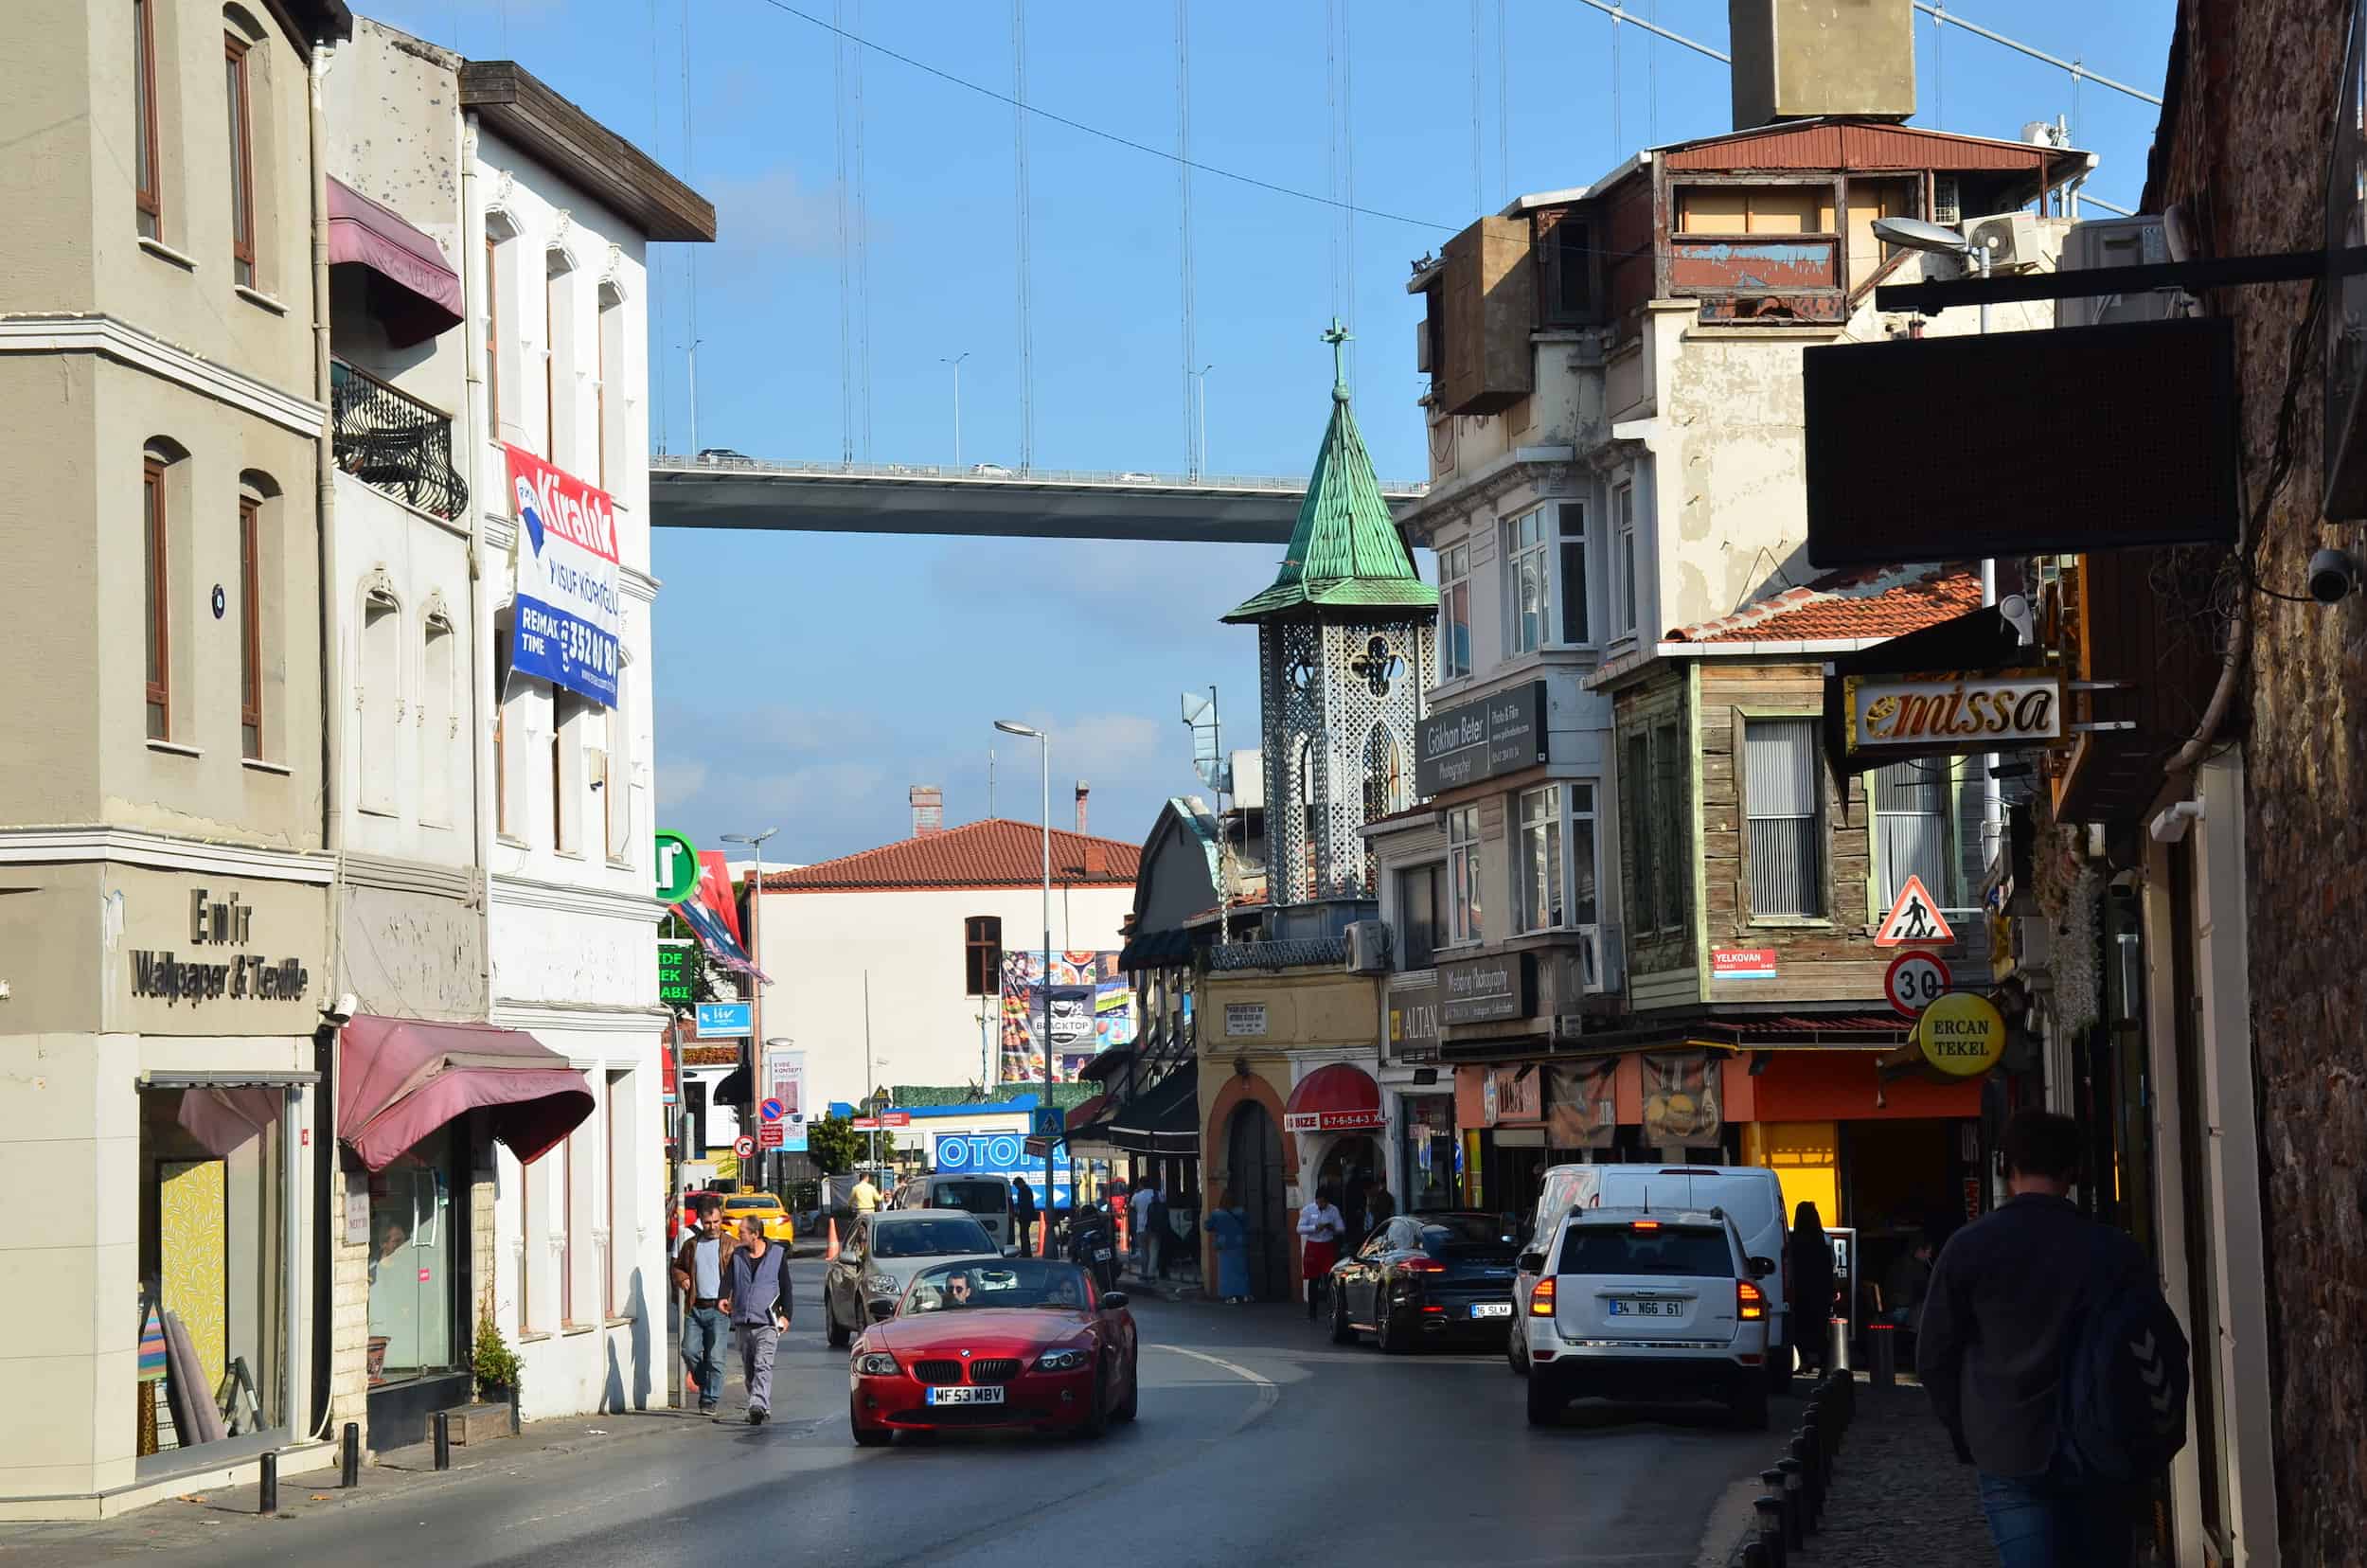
(1330, 1121)
(569, 613)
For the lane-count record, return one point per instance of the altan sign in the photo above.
(1942, 712)
(225, 922)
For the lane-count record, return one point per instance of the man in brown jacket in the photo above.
(701, 1267)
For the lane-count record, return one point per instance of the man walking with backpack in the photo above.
(2053, 1360)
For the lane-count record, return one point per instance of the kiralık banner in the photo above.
(567, 615)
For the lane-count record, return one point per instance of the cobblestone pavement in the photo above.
(1901, 1497)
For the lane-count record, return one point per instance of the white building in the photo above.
(557, 213)
(922, 926)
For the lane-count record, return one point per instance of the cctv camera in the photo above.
(2333, 575)
(342, 1010)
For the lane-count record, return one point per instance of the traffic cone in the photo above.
(829, 1253)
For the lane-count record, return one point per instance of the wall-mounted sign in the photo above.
(569, 611)
(1913, 981)
(1495, 735)
(1414, 1023)
(677, 867)
(1742, 963)
(1916, 917)
(1961, 1035)
(1513, 1094)
(1970, 713)
(1244, 1019)
(161, 973)
(675, 968)
(1486, 990)
(723, 1020)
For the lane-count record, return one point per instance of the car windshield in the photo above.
(1684, 1250)
(1021, 1282)
(930, 1239)
(975, 1197)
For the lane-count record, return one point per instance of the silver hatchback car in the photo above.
(881, 1256)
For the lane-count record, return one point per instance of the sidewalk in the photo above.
(1901, 1496)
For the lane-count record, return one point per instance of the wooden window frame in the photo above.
(250, 627)
(235, 51)
(157, 524)
(492, 336)
(974, 945)
(150, 196)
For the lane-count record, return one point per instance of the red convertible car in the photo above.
(986, 1343)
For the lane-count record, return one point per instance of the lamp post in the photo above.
(755, 988)
(956, 363)
(1044, 988)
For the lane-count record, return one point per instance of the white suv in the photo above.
(1646, 1306)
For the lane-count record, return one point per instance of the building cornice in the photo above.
(583, 1017)
(127, 344)
(530, 893)
(161, 852)
(1491, 486)
(458, 883)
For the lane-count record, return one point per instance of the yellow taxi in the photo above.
(764, 1207)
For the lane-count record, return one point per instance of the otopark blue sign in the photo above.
(998, 1154)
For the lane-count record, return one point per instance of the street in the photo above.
(1259, 1440)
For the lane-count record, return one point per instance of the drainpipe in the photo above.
(333, 753)
(480, 609)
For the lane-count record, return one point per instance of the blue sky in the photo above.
(805, 681)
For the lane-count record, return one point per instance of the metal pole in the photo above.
(349, 1456)
(267, 1488)
(694, 397)
(1045, 989)
(443, 1439)
(755, 1011)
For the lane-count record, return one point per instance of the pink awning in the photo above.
(399, 1079)
(419, 294)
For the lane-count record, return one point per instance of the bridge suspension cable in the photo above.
(1192, 437)
(1025, 279)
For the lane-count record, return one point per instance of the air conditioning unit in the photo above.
(2012, 240)
(1602, 960)
(1369, 947)
(2116, 242)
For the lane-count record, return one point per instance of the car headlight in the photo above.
(1064, 1360)
(882, 1285)
(876, 1364)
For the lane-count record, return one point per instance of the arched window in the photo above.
(1384, 781)
(507, 813)
(500, 367)
(558, 359)
(378, 699)
(164, 499)
(438, 723)
(259, 558)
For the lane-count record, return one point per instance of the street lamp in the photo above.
(956, 363)
(1044, 1035)
(755, 991)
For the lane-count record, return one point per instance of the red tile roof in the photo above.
(994, 853)
(1869, 604)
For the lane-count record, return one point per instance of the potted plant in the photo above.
(494, 1363)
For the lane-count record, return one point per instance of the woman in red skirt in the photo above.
(1320, 1229)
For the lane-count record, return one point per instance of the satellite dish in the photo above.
(1916, 234)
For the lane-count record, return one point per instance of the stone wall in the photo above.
(2244, 144)
(349, 1309)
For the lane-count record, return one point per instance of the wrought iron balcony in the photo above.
(392, 441)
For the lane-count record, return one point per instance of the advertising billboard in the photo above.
(1091, 1005)
(569, 614)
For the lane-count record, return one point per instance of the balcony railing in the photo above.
(392, 441)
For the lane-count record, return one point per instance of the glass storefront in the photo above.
(414, 1260)
(1431, 1171)
(213, 1266)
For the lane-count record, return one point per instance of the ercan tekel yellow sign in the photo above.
(1971, 712)
(1961, 1035)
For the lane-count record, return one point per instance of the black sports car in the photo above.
(1423, 1278)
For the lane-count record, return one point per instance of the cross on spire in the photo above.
(1337, 336)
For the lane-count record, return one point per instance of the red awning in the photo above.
(420, 293)
(1336, 1099)
(397, 1080)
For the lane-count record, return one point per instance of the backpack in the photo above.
(2121, 1415)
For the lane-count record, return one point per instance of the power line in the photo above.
(1094, 130)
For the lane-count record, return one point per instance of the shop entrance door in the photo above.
(1253, 1159)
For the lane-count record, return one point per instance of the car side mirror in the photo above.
(883, 1311)
(1112, 1300)
(1532, 1262)
(1762, 1267)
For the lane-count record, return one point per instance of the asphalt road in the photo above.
(1260, 1442)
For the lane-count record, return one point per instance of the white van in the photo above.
(987, 1199)
(1752, 1197)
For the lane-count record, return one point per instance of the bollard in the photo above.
(1838, 1360)
(1796, 1486)
(443, 1440)
(1773, 1481)
(267, 1497)
(349, 1458)
(1770, 1512)
(513, 1407)
(1812, 1484)
(1755, 1554)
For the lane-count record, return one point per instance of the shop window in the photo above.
(982, 955)
(213, 1266)
(1429, 1150)
(1455, 611)
(1782, 809)
(1421, 914)
(414, 1264)
(616, 1194)
(1463, 873)
(1911, 812)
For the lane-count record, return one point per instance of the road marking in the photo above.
(1269, 1393)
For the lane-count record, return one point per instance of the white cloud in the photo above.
(679, 781)
(766, 218)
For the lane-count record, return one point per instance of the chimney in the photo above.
(1798, 59)
(1083, 789)
(928, 809)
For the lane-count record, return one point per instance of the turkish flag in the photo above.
(714, 891)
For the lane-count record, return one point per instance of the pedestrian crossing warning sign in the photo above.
(1915, 919)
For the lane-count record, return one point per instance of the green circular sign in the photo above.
(676, 866)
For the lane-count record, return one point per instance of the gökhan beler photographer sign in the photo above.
(1461, 745)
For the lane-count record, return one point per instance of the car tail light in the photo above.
(1542, 1297)
(1750, 1301)
(1646, 1225)
(1420, 1265)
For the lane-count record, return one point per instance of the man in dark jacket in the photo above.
(2003, 1307)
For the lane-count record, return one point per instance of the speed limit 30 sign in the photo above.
(1913, 981)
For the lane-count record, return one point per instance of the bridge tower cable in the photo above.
(1347, 176)
(689, 171)
(1503, 115)
(657, 300)
(1479, 192)
(845, 248)
(1332, 140)
(1027, 321)
(1192, 437)
(862, 248)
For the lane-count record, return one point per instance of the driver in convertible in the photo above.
(957, 1290)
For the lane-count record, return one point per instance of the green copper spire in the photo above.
(1344, 552)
